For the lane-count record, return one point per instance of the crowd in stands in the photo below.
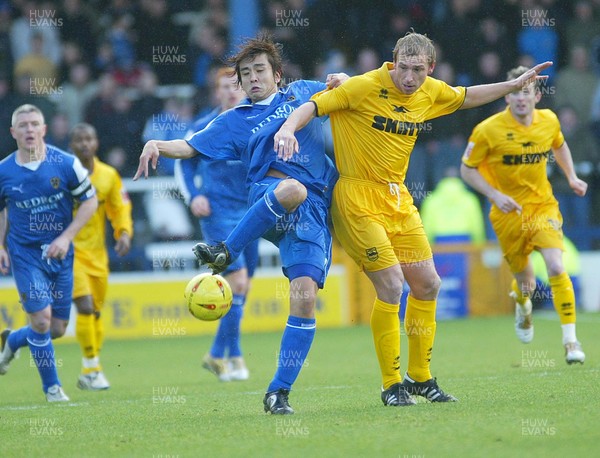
(127, 66)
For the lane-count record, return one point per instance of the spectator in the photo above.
(35, 20)
(77, 92)
(583, 26)
(576, 83)
(58, 131)
(25, 93)
(452, 211)
(537, 39)
(575, 209)
(41, 70)
(78, 25)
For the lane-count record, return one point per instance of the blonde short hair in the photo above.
(27, 108)
(415, 44)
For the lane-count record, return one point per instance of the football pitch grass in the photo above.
(514, 400)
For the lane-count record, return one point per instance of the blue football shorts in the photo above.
(43, 281)
(303, 236)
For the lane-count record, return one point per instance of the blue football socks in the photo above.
(259, 218)
(295, 344)
(227, 338)
(17, 339)
(42, 352)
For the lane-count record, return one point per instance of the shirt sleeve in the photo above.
(446, 99)
(558, 138)
(81, 186)
(216, 140)
(477, 149)
(118, 208)
(330, 100)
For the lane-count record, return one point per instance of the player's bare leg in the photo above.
(563, 297)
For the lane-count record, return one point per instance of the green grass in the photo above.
(546, 409)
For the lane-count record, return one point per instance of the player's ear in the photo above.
(538, 95)
(431, 67)
(277, 76)
(12, 132)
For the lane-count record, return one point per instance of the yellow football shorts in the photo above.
(377, 224)
(538, 226)
(85, 284)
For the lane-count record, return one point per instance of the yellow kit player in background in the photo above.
(375, 121)
(90, 268)
(506, 160)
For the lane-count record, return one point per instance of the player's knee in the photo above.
(85, 307)
(555, 267)
(430, 287)
(238, 283)
(40, 324)
(291, 193)
(302, 303)
(57, 331)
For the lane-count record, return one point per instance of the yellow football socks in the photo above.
(564, 297)
(84, 330)
(520, 297)
(385, 326)
(99, 327)
(419, 324)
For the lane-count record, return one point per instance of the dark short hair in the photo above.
(253, 47)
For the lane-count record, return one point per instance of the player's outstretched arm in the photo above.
(60, 245)
(486, 93)
(153, 149)
(565, 162)
(475, 179)
(285, 142)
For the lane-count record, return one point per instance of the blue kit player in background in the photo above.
(38, 187)
(221, 202)
(289, 200)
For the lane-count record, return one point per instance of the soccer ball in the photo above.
(208, 296)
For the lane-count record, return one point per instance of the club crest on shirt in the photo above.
(372, 254)
(55, 182)
(383, 93)
(510, 136)
(400, 109)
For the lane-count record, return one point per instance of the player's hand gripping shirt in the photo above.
(375, 126)
(114, 203)
(40, 201)
(513, 157)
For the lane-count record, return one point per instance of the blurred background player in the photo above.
(220, 199)
(38, 186)
(505, 160)
(91, 257)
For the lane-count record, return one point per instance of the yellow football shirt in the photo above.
(513, 157)
(375, 126)
(114, 203)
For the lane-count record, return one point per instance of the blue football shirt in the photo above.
(40, 201)
(246, 132)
